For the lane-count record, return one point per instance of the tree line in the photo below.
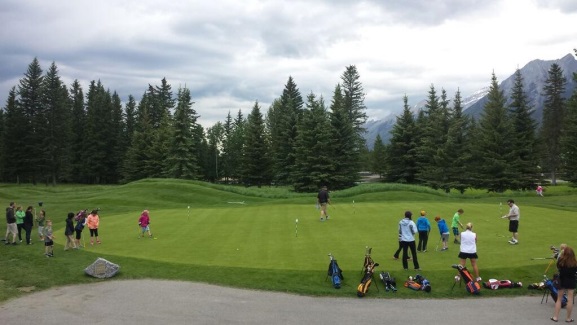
(504, 149)
(53, 133)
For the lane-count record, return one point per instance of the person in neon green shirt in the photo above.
(455, 225)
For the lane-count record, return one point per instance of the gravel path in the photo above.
(174, 302)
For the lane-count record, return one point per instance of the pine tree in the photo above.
(457, 149)
(182, 158)
(77, 173)
(56, 127)
(255, 159)
(401, 158)
(13, 119)
(282, 119)
(379, 157)
(553, 117)
(313, 164)
(344, 146)
(569, 137)
(235, 144)
(494, 171)
(524, 140)
(30, 94)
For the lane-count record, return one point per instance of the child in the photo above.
(48, 239)
(144, 222)
(93, 221)
(40, 219)
(444, 231)
(80, 223)
(69, 231)
(423, 227)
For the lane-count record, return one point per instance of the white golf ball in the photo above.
(237, 249)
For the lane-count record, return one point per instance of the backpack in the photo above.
(494, 284)
(79, 215)
(388, 281)
(335, 273)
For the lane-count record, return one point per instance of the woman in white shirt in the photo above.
(469, 249)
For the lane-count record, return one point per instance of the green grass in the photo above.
(254, 245)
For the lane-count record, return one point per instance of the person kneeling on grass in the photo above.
(469, 249)
(144, 223)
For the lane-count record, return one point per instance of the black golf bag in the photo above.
(388, 281)
(551, 285)
(472, 287)
(335, 273)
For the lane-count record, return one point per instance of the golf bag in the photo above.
(494, 284)
(472, 287)
(80, 215)
(335, 273)
(367, 279)
(425, 284)
(388, 281)
(552, 285)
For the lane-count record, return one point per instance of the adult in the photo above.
(19, 221)
(28, 224)
(469, 249)
(456, 223)
(93, 221)
(10, 224)
(513, 216)
(69, 231)
(423, 227)
(407, 231)
(567, 265)
(323, 199)
(144, 223)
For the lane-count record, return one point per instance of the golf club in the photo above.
(438, 243)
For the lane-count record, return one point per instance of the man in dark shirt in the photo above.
(322, 200)
(10, 224)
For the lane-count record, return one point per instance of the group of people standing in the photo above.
(18, 221)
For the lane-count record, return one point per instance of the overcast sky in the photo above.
(231, 53)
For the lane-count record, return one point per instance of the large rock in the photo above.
(102, 268)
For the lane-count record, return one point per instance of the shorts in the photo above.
(455, 231)
(513, 225)
(49, 243)
(11, 228)
(468, 255)
(78, 233)
(445, 237)
(94, 232)
(145, 228)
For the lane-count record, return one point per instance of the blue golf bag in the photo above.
(335, 273)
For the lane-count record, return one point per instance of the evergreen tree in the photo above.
(569, 137)
(345, 148)
(30, 94)
(182, 158)
(493, 143)
(12, 155)
(457, 149)
(235, 147)
(77, 134)
(313, 164)
(553, 117)
(401, 158)
(256, 161)
(56, 127)
(138, 155)
(524, 140)
(213, 164)
(282, 119)
(130, 119)
(379, 157)
(98, 141)
(226, 162)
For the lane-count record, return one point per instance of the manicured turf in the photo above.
(248, 237)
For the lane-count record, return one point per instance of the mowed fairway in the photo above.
(251, 238)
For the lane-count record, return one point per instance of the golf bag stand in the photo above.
(335, 273)
(369, 264)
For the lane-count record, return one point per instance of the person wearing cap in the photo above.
(407, 231)
(469, 249)
(423, 227)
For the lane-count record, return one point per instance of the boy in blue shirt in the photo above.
(444, 231)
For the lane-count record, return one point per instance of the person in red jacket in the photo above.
(144, 223)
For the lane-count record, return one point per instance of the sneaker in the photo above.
(478, 279)
(409, 258)
(98, 242)
(444, 248)
(14, 243)
(424, 251)
(512, 242)
(456, 241)
(327, 217)
(322, 219)
(395, 258)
